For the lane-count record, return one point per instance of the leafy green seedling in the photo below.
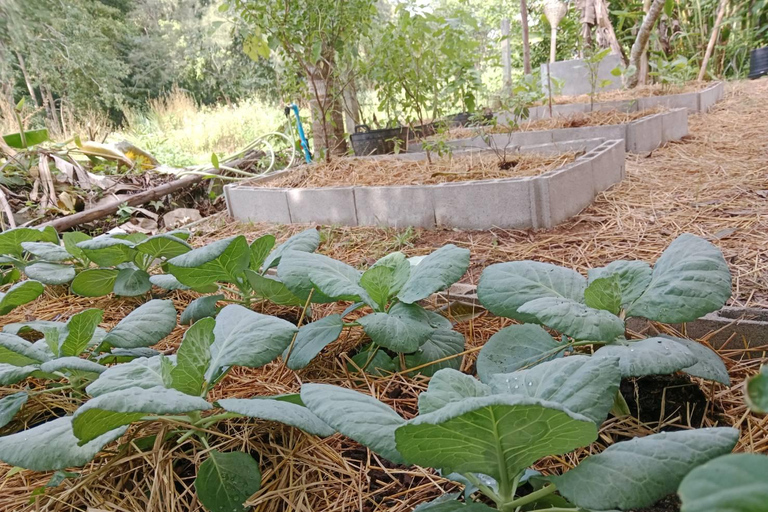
(487, 435)
(690, 279)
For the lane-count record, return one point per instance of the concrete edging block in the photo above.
(396, 206)
(485, 204)
(644, 135)
(332, 205)
(710, 96)
(689, 100)
(674, 125)
(564, 192)
(258, 204)
(607, 164)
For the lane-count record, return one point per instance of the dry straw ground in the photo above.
(713, 184)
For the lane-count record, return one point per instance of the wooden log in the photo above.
(100, 212)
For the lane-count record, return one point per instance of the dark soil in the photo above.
(663, 397)
(669, 504)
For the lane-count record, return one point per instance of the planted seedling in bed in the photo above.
(76, 351)
(487, 435)
(403, 334)
(173, 389)
(689, 280)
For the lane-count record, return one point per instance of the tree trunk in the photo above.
(506, 56)
(641, 42)
(526, 43)
(50, 109)
(351, 105)
(607, 32)
(327, 111)
(31, 89)
(642, 69)
(712, 39)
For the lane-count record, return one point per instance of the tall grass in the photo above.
(179, 132)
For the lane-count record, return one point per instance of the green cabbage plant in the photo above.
(487, 435)
(403, 333)
(689, 280)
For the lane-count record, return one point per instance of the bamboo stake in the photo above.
(712, 39)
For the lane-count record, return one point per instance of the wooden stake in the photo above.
(712, 39)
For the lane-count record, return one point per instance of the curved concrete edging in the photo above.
(640, 136)
(530, 202)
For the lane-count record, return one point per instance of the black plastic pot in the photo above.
(378, 142)
(466, 119)
(758, 63)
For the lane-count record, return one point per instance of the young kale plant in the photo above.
(11, 258)
(689, 280)
(234, 266)
(403, 334)
(76, 351)
(174, 389)
(487, 435)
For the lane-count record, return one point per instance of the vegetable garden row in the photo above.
(542, 387)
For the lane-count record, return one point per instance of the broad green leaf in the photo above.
(192, 358)
(435, 273)
(47, 251)
(144, 326)
(246, 338)
(11, 374)
(633, 277)
(108, 251)
(19, 352)
(132, 283)
(757, 391)
(380, 363)
(357, 416)
(447, 386)
(294, 272)
(516, 347)
(311, 339)
(333, 278)
(499, 435)
(306, 241)
(504, 287)
(401, 270)
(50, 273)
(163, 246)
(167, 282)
(260, 249)
(226, 480)
(43, 326)
(77, 334)
(651, 356)
(659, 461)
(18, 294)
(72, 363)
(202, 307)
(31, 137)
(10, 405)
(710, 365)
(574, 319)
(141, 372)
(377, 281)
(95, 282)
(181, 234)
(112, 410)
(278, 410)
(223, 260)
(11, 240)
(690, 279)
(272, 289)
(604, 293)
(732, 483)
(441, 343)
(52, 446)
(124, 355)
(403, 329)
(49, 234)
(581, 384)
(71, 239)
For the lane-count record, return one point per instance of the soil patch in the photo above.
(344, 172)
(672, 401)
(669, 504)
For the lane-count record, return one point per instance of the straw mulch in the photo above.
(345, 172)
(714, 184)
(641, 91)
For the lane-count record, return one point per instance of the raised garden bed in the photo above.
(535, 200)
(641, 134)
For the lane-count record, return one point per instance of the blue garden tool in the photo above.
(302, 137)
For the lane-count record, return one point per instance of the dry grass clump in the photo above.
(393, 171)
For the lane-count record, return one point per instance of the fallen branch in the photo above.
(139, 199)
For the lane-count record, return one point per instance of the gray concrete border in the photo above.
(528, 202)
(641, 136)
(574, 75)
